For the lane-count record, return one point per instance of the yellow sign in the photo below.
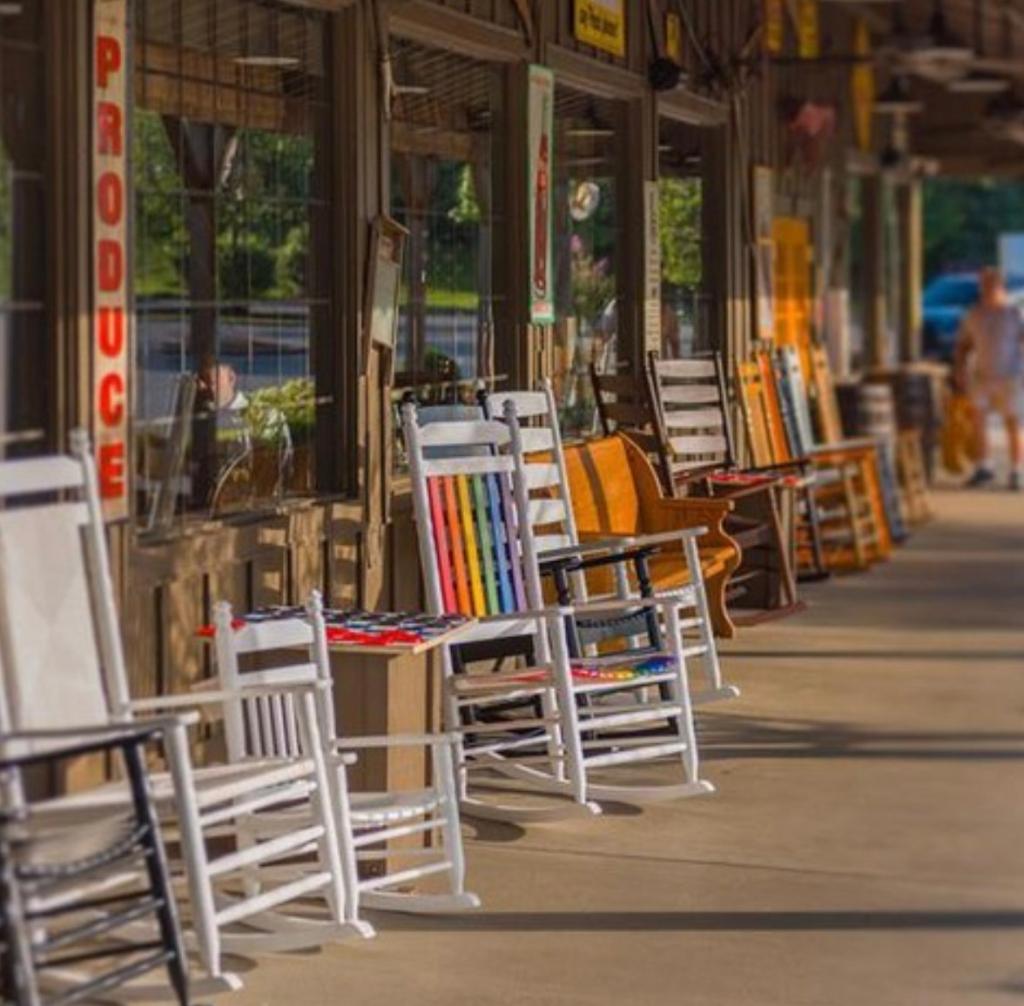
(862, 86)
(674, 38)
(808, 38)
(774, 27)
(602, 24)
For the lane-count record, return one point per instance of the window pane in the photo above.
(587, 222)
(444, 146)
(24, 360)
(231, 130)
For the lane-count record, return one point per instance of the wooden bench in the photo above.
(615, 491)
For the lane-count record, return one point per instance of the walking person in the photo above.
(989, 365)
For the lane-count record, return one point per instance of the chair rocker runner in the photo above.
(551, 514)
(265, 726)
(479, 558)
(63, 668)
(66, 895)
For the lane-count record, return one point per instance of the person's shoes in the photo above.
(981, 477)
(1015, 482)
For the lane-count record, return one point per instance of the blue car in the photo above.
(946, 299)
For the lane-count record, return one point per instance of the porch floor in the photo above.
(865, 846)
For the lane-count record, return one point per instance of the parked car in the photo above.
(946, 299)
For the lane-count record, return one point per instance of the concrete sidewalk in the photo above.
(865, 846)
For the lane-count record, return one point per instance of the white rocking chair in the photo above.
(63, 668)
(551, 514)
(264, 726)
(479, 558)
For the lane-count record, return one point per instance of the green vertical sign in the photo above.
(540, 177)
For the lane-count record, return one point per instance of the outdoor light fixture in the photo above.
(896, 99)
(10, 9)
(590, 133)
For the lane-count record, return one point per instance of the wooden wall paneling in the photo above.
(343, 526)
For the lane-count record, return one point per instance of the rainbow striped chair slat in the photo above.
(477, 553)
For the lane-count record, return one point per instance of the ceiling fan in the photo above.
(935, 53)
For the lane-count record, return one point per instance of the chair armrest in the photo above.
(394, 740)
(204, 698)
(653, 539)
(74, 742)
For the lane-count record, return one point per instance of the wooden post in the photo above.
(911, 236)
(876, 349)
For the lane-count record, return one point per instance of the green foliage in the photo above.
(466, 209)
(963, 220)
(292, 404)
(593, 286)
(680, 201)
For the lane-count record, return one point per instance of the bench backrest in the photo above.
(606, 480)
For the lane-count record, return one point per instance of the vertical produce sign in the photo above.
(540, 131)
(110, 400)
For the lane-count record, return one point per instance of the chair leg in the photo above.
(156, 868)
(819, 568)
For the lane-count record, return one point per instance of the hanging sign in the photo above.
(808, 36)
(110, 401)
(652, 267)
(540, 129)
(774, 33)
(602, 24)
(862, 86)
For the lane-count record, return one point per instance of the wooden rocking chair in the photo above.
(265, 727)
(678, 413)
(64, 669)
(479, 558)
(690, 409)
(849, 488)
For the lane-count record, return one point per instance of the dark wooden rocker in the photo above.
(678, 414)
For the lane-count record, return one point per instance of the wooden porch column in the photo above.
(876, 349)
(912, 236)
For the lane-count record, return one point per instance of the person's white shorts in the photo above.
(998, 395)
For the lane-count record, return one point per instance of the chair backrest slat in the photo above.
(40, 475)
(828, 403)
(780, 439)
(794, 387)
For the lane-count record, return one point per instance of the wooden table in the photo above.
(393, 689)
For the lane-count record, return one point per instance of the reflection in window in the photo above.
(443, 151)
(684, 322)
(230, 283)
(24, 407)
(587, 131)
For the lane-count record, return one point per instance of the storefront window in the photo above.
(231, 232)
(24, 408)
(684, 306)
(443, 138)
(587, 158)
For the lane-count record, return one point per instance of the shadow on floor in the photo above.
(768, 921)
(930, 655)
(725, 736)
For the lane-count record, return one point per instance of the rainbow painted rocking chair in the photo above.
(535, 727)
